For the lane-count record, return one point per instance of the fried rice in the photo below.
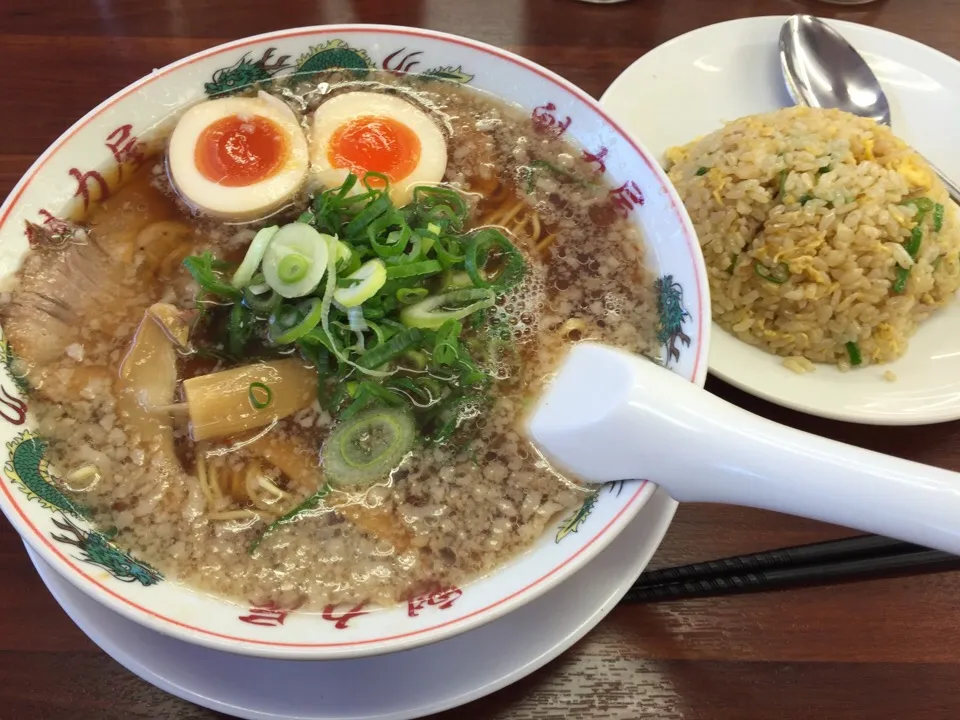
(826, 238)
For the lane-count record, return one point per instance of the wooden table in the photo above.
(883, 649)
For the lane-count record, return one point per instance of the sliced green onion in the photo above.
(938, 211)
(395, 241)
(434, 311)
(392, 327)
(377, 330)
(446, 348)
(418, 359)
(443, 206)
(347, 186)
(912, 246)
(261, 303)
(478, 256)
(900, 279)
(420, 245)
(251, 261)
(422, 392)
(203, 268)
(358, 226)
(317, 338)
(358, 405)
(397, 345)
(368, 446)
(318, 356)
(329, 341)
(373, 313)
(374, 266)
(331, 208)
(257, 284)
(355, 317)
(408, 296)
(362, 395)
(416, 251)
(374, 175)
(350, 266)
(311, 311)
(292, 268)
(239, 329)
(783, 183)
(470, 376)
(312, 248)
(853, 350)
(701, 171)
(366, 392)
(923, 206)
(733, 262)
(778, 274)
(414, 269)
(344, 254)
(367, 281)
(326, 337)
(257, 402)
(449, 251)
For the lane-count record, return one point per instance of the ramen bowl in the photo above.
(87, 158)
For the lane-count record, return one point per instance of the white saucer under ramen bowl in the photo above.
(411, 684)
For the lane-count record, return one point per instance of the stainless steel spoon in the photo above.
(821, 69)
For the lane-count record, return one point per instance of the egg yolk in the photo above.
(375, 144)
(238, 151)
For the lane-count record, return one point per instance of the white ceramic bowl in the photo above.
(64, 173)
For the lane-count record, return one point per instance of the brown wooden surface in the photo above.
(883, 649)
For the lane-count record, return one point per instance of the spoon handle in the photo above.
(952, 187)
(709, 450)
(609, 415)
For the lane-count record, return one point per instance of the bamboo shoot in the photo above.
(148, 380)
(248, 397)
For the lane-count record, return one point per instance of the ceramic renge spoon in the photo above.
(611, 415)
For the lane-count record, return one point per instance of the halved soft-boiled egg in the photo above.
(367, 132)
(239, 157)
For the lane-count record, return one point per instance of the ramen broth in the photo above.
(107, 388)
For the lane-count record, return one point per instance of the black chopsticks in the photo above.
(857, 558)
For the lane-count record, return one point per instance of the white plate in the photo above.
(692, 84)
(408, 684)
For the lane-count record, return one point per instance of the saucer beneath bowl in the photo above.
(411, 684)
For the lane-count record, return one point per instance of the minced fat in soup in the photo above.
(451, 510)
